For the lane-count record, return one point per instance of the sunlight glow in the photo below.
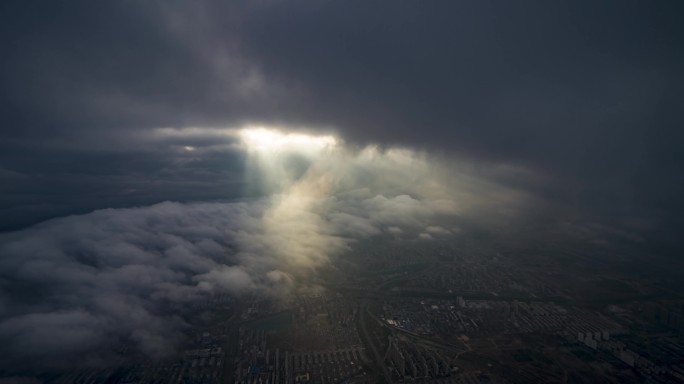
(264, 140)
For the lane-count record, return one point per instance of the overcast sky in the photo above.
(588, 93)
(423, 118)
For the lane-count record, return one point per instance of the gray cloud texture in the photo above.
(74, 285)
(586, 93)
(77, 288)
(486, 111)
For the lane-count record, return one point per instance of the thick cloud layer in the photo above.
(570, 109)
(79, 288)
(91, 283)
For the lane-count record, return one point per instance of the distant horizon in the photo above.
(452, 192)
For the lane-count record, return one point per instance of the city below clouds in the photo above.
(108, 278)
(155, 155)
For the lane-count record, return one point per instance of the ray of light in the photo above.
(272, 140)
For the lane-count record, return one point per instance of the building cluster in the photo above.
(668, 313)
(492, 276)
(203, 363)
(259, 363)
(323, 322)
(408, 361)
(333, 366)
(660, 361)
(441, 318)
(412, 313)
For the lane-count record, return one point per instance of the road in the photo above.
(363, 312)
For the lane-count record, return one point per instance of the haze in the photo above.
(176, 174)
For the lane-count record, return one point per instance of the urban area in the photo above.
(470, 310)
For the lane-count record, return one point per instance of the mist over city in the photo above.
(330, 192)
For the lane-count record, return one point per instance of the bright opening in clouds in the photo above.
(273, 140)
(235, 150)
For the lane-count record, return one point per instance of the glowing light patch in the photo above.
(262, 139)
(189, 148)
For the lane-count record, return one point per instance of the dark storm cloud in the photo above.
(586, 92)
(116, 65)
(589, 92)
(83, 84)
(570, 112)
(46, 179)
